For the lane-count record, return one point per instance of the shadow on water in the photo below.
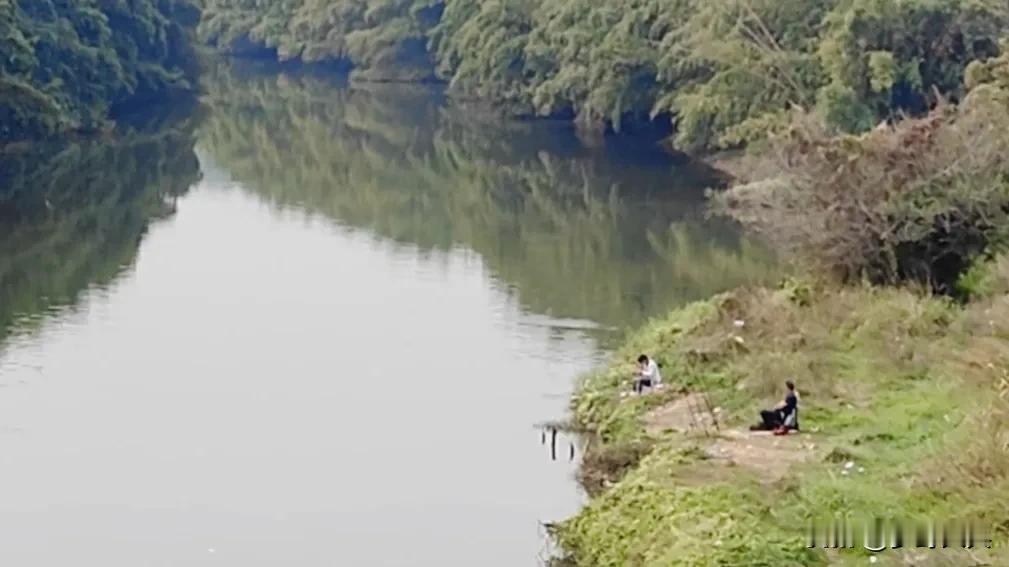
(72, 215)
(611, 234)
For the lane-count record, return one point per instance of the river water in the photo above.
(313, 324)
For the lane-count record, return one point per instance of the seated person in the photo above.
(784, 416)
(648, 374)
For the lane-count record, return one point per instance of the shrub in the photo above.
(915, 200)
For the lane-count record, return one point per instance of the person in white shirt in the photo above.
(648, 374)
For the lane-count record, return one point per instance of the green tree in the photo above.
(724, 72)
(884, 58)
(70, 65)
(384, 39)
(739, 66)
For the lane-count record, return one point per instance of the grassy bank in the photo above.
(903, 385)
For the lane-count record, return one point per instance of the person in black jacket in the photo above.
(784, 415)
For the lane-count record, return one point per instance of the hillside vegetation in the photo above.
(919, 200)
(725, 72)
(895, 335)
(71, 65)
(908, 388)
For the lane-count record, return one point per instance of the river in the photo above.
(316, 324)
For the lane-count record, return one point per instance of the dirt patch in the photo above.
(604, 465)
(767, 456)
(770, 457)
(692, 413)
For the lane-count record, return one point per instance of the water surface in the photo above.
(317, 326)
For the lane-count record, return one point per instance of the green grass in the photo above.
(903, 384)
(650, 519)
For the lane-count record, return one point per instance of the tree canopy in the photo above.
(382, 37)
(726, 72)
(70, 65)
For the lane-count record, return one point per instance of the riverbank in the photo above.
(721, 74)
(901, 417)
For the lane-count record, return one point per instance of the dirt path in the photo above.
(765, 454)
(768, 456)
(688, 414)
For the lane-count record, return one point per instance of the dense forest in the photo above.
(725, 72)
(72, 65)
(538, 207)
(719, 73)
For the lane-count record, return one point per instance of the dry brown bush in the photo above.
(915, 200)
